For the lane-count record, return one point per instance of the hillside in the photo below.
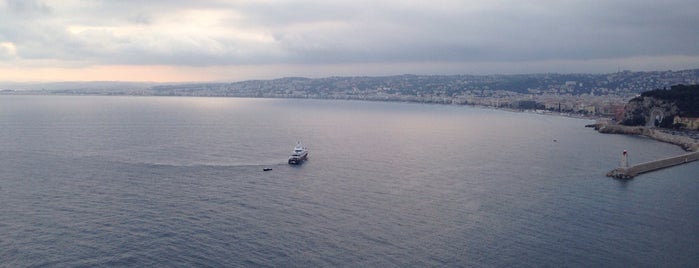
(659, 107)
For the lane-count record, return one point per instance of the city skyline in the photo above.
(182, 41)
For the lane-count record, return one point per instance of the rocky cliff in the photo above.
(649, 111)
(659, 107)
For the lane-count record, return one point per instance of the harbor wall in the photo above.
(687, 143)
(649, 166)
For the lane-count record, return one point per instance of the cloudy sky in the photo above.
(231, 40)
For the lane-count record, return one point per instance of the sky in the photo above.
(217, 40)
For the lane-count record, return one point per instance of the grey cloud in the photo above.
(505, 33)
(28, 7)
(336, 32)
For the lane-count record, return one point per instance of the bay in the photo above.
(176, 181)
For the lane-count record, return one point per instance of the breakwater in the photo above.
(687, 143)
(635, 170)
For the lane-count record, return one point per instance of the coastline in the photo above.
(567, 114)
(686, 140)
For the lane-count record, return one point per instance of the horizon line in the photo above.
(333, 76)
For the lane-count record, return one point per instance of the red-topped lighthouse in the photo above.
(624, 160)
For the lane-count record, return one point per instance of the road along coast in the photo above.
(687, 143)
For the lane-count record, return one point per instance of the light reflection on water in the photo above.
(132, 181)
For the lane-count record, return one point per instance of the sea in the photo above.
(104, 181)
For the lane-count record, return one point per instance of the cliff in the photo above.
(659, 107)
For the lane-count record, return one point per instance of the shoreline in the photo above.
(685, 140)
(567, 114)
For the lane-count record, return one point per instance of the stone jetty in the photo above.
(626, 172)
(635, 170)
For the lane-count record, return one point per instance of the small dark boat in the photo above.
(266, 169)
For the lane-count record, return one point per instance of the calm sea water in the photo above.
(159, 181)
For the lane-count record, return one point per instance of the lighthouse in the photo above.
(624, 160)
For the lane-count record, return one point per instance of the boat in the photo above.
(266, 169)
(299, 155)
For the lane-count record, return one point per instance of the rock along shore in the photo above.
(687, 143)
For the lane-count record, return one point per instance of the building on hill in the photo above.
(687, 122)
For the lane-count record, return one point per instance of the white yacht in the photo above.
(299, 155)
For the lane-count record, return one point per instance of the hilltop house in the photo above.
(687, 122)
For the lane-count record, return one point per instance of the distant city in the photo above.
(585, 94)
